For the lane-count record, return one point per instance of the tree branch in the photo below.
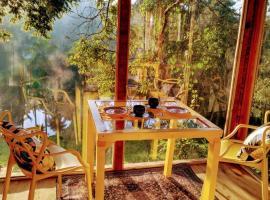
(166, 12)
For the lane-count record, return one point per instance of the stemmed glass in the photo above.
(131, 93)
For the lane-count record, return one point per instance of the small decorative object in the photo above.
(138, 110)
(176, 109)
(115, 111)
(178, 112)
(153, 102)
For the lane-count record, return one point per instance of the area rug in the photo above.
(140, 184)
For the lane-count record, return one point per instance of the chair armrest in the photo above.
(7, 114)
(64, 93)
(264, 144)
(267, 113)
(42, 102)
(237, 128)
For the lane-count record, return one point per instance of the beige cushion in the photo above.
(254, 139)
(63, 160)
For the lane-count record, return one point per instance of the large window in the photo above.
(261, 96)
(45, 82)
(183, 49)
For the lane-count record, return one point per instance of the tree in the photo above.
(95, 62)
(94, 52)
(36, 15)
(262, 87)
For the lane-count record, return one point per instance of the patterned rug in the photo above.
(141, 184)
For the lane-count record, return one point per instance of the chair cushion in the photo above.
(254, 139)
(64, 160)
(32, 144)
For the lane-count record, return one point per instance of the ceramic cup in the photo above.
(138, 110)
(153, 102)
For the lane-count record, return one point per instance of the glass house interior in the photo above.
(134, 99)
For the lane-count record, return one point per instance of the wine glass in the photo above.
(131, 92)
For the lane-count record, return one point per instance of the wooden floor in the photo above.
(233, 183)
(46, 190)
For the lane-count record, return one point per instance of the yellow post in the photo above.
(154, 144)
(169, 153)
(135, 124)
(57, 131)
(75, 127)
(86, 97)
(264, 171)
(78, 112)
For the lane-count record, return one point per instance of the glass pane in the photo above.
(185, 51)
(46, 83)
(261, 96)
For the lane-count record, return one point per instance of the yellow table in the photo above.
(102, 134)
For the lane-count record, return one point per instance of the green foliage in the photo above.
(148, 5)
(94, 55)
(4, 35)
(262, 87)
(186, 148)
(137, 151)
(95, 62)
(4, 153)
(37, 15)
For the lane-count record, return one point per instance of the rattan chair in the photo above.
(230, 148)
(20, 142)
(163, 87)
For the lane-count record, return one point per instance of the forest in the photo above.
(72, 47)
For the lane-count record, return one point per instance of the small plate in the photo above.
(145, 115)
(115, 110)
(176, 110)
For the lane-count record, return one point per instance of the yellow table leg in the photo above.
(169, 152)
(154, 146)
(209, 185)
(169, 158)
(100, 172)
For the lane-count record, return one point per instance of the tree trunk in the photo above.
(148, 31)
(161, 43)
(179, 27)
(189, 53)
(162, 38)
